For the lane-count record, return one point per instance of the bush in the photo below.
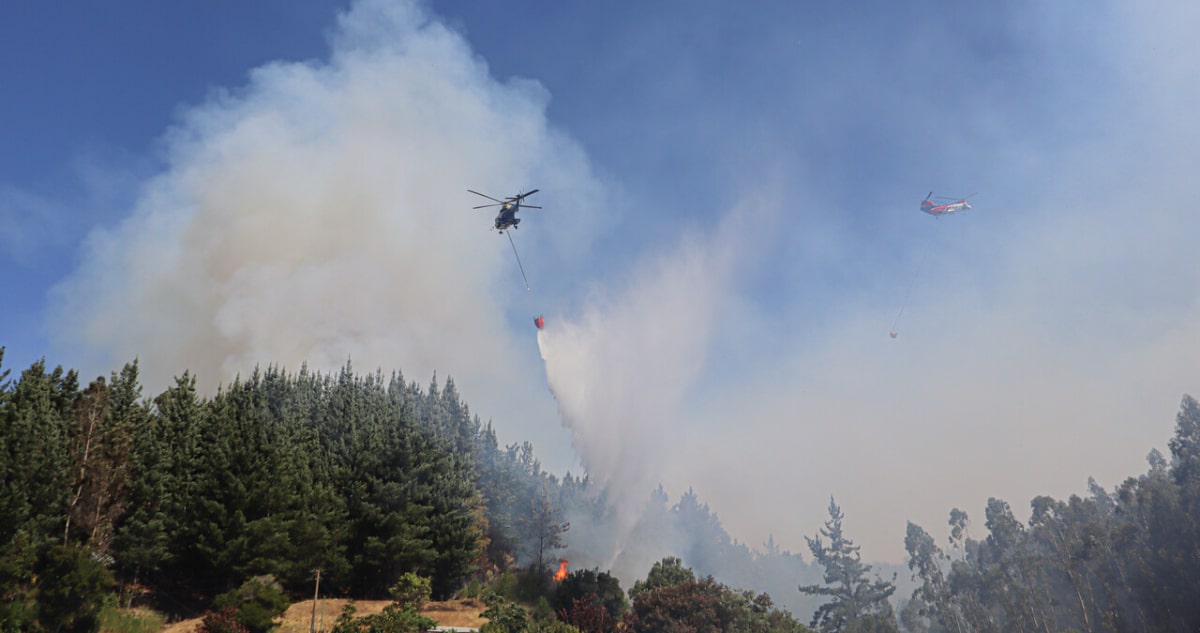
(591, 586)
(18, 610)
(505, 586)
(531, 585)
(542, 611)
(224, 620)
(394, 619)
(257, 603)
(503, 616)
(411, 591)
(72, 589)
(474, 589)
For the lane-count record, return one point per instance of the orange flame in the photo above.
(561, 574)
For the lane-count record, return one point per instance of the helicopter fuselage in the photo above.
(938, 210)
(507, 217)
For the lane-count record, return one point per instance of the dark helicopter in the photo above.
(507, 217)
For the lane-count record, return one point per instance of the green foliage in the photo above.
(528, 585)
(665, 573)
(252, 494)
(395, 618)
(411, 590)
(852, 596)
(72, 589)
(17, 562)
(505, 586)
(364, 478)
(503, 616)
(594, 587)
(691, 606)
(1110, 562)
(707, 606)
(411, 499)
(544, 528)
(933, 596)
(161, 480)
(474, 589)
(345, 619)
(34, 433)
(542, 611)
(258, 602)
(515, 484)
(710, 546)
(371, 478)
(16, 615)
(99, 447)
(873, 623)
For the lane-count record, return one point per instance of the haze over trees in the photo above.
(1112, 561)
(176, 499)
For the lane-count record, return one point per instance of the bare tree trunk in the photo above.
(82, 478)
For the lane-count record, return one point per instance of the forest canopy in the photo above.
(176, 498)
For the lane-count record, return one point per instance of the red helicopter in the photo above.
(945, 208)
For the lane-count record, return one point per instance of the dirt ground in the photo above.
(463, 613)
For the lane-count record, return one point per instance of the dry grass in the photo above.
(299, 616)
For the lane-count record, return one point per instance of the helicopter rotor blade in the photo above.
(529, 206)
(484, 206)
(521, 196)
(485, 196)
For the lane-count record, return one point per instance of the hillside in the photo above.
(297, 619)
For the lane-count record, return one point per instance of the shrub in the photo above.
(503, 616)
(394, 619)
(257, 603)
(224, 620)
(411, 590)
(72, 589)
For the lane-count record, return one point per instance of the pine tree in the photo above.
(852, 597)
(544, 528)
(164, 453)
(34, 433)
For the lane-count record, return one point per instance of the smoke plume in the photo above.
(624, 370)
(319, 215)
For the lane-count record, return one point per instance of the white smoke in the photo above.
(624, 371)
(319, 214)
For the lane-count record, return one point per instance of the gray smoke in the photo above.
(319, 214)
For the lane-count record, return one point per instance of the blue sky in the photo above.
(730, 229)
